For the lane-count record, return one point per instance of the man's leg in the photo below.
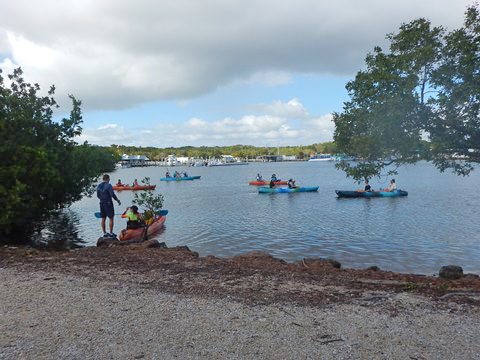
(103, 224)
(111, 224)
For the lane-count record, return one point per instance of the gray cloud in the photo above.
(115, 54)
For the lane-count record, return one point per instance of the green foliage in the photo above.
(42, 167)
(417, 101)
(148, 199)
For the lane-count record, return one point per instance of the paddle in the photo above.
(159, 213)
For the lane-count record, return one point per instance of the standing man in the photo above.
(105, 194)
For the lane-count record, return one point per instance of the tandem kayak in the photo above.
(263, 183)
(370, 194)
(137, 234)
(180, 178)
(266, 190)
(140, 187)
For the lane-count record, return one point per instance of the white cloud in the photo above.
(114, 54)
(260, 130)
(291, 109)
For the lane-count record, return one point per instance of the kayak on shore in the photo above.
(370, 194)
(180, 178)
(263, 183)
(137, 234)
(139, 187)
(266, 190)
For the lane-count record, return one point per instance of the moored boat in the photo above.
(138, 234)
(263, 183)
(370, 194)
(267, 190)
(139, 187)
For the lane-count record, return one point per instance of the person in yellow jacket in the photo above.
(135, 220)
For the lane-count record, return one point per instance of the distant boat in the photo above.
(226, 160)
(322, 157)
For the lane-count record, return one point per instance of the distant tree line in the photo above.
(240, 151)
(42, 168)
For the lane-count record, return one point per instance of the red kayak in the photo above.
(137, 234)
(262, 183)
(139, 187)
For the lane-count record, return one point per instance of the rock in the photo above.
(107, 241)
(373, 268)
(319, 263)
(451, 272)
(471, 276)
(155, 244)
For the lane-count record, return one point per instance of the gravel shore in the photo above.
(56, 315)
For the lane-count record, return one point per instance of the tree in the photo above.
(400, 107)
(42, 167)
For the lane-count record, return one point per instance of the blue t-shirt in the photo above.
(105, 192)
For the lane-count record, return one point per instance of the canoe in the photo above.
(263, 183)
(266, 190)
(370, 194)
(180, 178)
(140, 187)
(138, 233)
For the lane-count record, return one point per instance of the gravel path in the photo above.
(50, 315)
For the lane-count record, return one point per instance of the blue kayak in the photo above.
(370, 194)
(267, 190)
(180, 178)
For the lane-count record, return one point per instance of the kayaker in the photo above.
(367, 188)
(135, 220)
(185, 174)
(259, 177)
(177, 174)
(291, 184)
(135, 183)
(167, 174)
(105, 194)
(274, 177)
(392, 187)
(119, 182)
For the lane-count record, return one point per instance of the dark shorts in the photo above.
(106, 210)
(134, 224)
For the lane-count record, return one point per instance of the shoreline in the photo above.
(212, 275)
(146, 301)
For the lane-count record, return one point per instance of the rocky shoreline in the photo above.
(149, 301)
(251, 277)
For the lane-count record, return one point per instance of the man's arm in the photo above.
(110, 190)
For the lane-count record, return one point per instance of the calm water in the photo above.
(437, 224)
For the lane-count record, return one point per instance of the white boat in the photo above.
(322, 157)
(226, 160)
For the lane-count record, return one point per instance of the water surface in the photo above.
(437, 224)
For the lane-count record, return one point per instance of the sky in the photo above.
(212, 72)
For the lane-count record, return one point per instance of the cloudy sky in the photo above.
(212, 72)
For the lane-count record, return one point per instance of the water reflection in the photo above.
(59, 232)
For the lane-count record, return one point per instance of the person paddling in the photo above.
(119, 182)
(367, 188)
(167, 174)
(259, 177)
(135, 220)
(392, 187)
(135, 183)
(274, 177)
(105, 194)
(291, 184)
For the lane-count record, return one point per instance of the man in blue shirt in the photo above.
(105, 194)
